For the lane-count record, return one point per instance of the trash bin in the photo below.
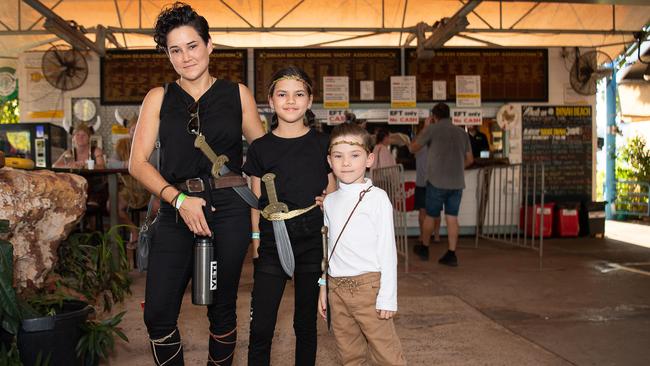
(567, 219)
(596, 214)
(533, 219)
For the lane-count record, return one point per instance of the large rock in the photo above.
(42, 208)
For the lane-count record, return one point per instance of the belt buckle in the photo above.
(195, 185)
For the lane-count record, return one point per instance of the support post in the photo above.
(610, 146)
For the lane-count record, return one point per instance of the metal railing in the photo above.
(391, 180)
(511, 206)
(632, 198)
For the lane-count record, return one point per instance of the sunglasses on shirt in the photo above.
(194, 124)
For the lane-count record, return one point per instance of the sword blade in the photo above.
(247, 195)
(283, 244)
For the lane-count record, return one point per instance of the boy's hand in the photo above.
(322, 302)
(385, 314)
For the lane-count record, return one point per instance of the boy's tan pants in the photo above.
(357, 329)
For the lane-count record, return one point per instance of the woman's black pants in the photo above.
(171, 267)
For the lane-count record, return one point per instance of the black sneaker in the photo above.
(449, 259)
(422, 251)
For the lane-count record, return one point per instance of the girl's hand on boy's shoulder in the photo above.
(319, 199)
(322, 302)
(385, 314)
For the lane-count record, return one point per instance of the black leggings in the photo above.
(267, 294)
(171, 267)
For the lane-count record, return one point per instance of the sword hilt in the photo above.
(217, 161)
(324, 261)
(274, 205)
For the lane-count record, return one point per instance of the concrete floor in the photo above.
(588, 304)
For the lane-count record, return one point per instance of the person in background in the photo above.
(478, 140)
(81, 151)
(449, 153)
(382, 153)
(421, 184)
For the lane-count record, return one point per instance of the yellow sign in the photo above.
(56, 114)
(398, 105)
(336, 105)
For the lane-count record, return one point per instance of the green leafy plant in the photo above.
(633, 164)
(9, 112)
(10, 314)
(9, 357)
(98, 340)
(95, 265)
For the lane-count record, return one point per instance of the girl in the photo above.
(297, 155)
(193, 201)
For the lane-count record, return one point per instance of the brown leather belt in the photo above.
(196, 185)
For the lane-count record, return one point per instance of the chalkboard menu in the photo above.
(127, 76)
(514, 75)
(377, 65)
(561, 138)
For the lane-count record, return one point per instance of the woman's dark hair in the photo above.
(381, 135)
(440, 110)
(179, 14)
(352, 129)
(292, 73)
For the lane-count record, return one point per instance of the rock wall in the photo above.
(42, 208)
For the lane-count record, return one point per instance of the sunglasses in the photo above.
(194, 123)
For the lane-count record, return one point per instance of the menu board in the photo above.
(127, 76)
(561, 138)
(514, 75)
(377, 65)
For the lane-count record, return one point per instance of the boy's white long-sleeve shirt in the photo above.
(368, 241)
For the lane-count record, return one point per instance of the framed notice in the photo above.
(336, 92)
(507, 75)
(468, 90)
(127, 75)
(374, 64)
(402, 92)
(367, 89)
(561, 138)
(439, 88)
(335, 116)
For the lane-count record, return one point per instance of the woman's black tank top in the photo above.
(220, 116)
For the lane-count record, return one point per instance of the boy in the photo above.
(362, 276)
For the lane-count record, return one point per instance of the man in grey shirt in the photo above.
(449, 153)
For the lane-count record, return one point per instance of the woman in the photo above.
(81, 151)
(383, 156)
(195, 104)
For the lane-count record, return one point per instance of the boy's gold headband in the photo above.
(289, 77)
(354, 143)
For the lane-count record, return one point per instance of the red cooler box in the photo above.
(567, 222)
(548, 219)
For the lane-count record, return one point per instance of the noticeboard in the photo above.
(377, 65)
(507, 75)
(127, 76)
(561, 138)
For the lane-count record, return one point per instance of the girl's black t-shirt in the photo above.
(220, 117)
(301, 169)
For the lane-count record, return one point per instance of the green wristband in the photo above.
(179, 200)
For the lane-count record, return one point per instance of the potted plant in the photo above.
(51, 325)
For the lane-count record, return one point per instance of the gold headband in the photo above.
(289, 77)
(354, 143)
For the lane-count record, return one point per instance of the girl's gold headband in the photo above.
(289, 77)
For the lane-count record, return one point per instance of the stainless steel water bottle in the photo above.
(204, 282)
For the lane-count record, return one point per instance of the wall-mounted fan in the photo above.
(587, 69)
(64, 68)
